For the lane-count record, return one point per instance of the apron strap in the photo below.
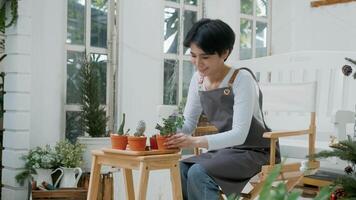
(260, 99)
(232, 79)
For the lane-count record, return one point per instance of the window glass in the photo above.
(188, 71)
(261, 39)
(74, 60)
(246, 7)
(190, 2)
(245, 39)
(171, 78)
(99, 22)
(171, 30)
(261, 8)
(73, 129)
(100, 61)
(190, 17)
(75, 21)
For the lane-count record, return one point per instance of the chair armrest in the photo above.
(278, 134)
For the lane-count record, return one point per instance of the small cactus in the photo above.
(140, 129)
(121, 129)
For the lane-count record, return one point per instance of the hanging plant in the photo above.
(3, 19)
(13, 14)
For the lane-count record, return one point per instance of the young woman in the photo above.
(231, 100)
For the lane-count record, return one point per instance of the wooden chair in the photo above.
(285, 98)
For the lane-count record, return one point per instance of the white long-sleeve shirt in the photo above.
(245, 106)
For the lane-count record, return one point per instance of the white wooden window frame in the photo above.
(180, 57)
(254, 18)
(109, 106)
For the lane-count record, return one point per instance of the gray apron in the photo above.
(232, 167)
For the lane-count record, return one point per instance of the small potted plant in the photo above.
(69, 158)
(119, 139)
(137, 142)
(39, 165)
(170, 126)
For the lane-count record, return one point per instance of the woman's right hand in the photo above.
(181, 140)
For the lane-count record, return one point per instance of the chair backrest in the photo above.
(289, 97)
(288, 104)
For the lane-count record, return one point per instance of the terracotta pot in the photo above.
(137, 143)
(118, 141)
(153, 142)
(160, 142)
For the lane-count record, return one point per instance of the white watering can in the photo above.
(70, 177)
(45, 175)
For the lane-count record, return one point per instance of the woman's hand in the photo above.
(181, 140)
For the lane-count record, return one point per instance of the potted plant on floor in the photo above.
(93, 115)
(39, 165)
(69, 158)
(137, 142)
(119, 139)
(170, 126)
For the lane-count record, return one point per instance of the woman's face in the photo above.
(206, 64)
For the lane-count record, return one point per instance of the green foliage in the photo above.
(93, 115)
(170, 125)
(39, 157)
(69, 155)
(345, 150)
(280, 192)
(13, 13)
(3, 19)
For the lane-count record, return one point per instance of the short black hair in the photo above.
(211, 35)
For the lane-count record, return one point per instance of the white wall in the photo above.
(48, 65)
(229, 13)
(140, 83)
(296, 26)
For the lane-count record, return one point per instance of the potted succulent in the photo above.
(119, 139)
(39, 165)
(137, 142)
(69, 158)
(170, 126)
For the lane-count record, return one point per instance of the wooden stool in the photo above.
(144, 161)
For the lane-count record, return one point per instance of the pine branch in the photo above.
(345, 150)
(349, 185)
(350, 60)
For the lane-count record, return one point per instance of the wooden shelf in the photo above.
(63, 194)
(327, 2)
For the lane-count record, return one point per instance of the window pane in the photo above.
(261, 39)
(73, 70)
(171, 78)
(171, 30)
(73, 129)
(174, 0)
(190, 2)
(75, 21)
(100, 60)
(246, 7)
(245, 39)
(261, 8)
(99, 21)
(188, 71)
(190, 17)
